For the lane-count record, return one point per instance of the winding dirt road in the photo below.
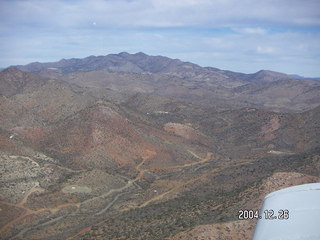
(120, 192)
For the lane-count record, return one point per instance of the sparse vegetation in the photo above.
(121, 157)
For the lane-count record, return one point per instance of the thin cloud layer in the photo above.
(162, 13)
(238, 35)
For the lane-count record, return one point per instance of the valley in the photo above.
(131, 146)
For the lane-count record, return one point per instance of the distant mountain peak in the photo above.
(141, 54)
(269, 76)
(123, 54)
(266, 71)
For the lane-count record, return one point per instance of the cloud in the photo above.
(265, 50)
(251, 30)
(161, 13)
(237, 35)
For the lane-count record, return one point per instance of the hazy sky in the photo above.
(245, 36)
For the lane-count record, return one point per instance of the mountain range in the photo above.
(140, 73)
(131, 146)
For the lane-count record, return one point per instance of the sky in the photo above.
(243, 36)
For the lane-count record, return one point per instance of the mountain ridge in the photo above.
(148, 148)
(163, 65)
(128, 74)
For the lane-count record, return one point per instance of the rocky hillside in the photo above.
(140, 73)
(140, 147)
